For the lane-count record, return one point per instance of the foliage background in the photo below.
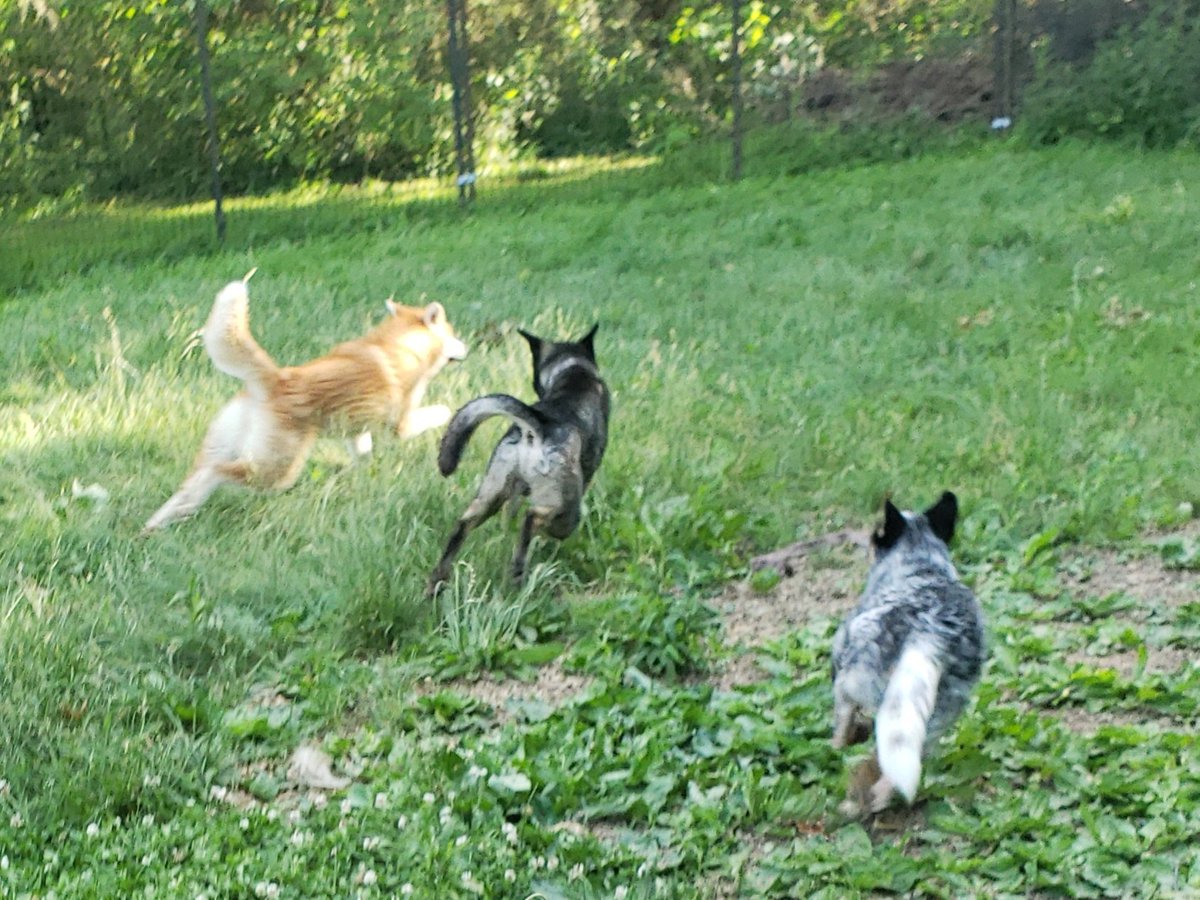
(1019, 321)
(1018, 324)
(103, 98)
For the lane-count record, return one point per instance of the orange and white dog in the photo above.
(262, 437)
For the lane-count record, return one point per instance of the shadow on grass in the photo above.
(39, 251)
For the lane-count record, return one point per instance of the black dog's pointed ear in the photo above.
(942, 516)
(535, 343)
(586, 342)
(894, 524)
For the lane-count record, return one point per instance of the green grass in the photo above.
(1019, 326)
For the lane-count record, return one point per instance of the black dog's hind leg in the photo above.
(480, 510)
(532, 523)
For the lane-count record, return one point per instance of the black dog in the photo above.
(549, 455)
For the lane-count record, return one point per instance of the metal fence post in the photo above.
(735, 168)
(1004, 17)
(460, 80)
(210, 116)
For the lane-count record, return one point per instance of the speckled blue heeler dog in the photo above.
(909, 655)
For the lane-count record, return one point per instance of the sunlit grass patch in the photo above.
(782, 353)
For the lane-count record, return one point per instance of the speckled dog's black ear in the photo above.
(942, 516)
(894, 524)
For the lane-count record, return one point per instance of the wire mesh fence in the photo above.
(437, 90)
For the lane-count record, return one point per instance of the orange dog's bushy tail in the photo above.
(230, 344)
(262, 436)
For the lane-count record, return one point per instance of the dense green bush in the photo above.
(105, 98)
(857, 34)
(1143, 84)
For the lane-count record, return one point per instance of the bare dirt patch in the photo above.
(821, 577)
(1087, 722)
(1159, 660)
(551, 685)
(1100, 573)
(735, 672)
(1144, 578)
(757, 847)
(1125, 663)
(821, 580)
(1155, 588)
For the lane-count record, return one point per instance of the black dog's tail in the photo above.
(467, 419)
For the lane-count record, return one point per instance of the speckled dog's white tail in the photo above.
(903, 718)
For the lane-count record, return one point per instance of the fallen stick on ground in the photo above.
(782, 559)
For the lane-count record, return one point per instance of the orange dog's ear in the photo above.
(434, 313)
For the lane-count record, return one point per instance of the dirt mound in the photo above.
(943, 90)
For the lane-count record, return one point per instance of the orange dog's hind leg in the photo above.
(222, 446)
